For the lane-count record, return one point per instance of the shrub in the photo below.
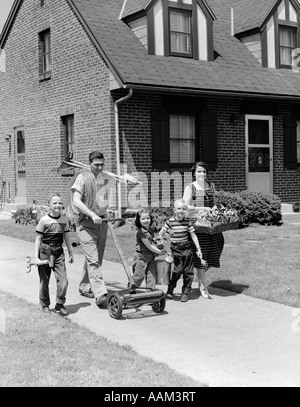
(160, 215)
(31, 214)
(252, 207)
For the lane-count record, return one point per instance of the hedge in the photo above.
(252, 207)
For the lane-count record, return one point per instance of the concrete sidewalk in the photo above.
(232, 340)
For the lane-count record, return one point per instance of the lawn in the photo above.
(259, 261)
(42, 350)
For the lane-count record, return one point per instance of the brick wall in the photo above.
(135, 125)
(79, 83)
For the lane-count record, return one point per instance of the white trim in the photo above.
(158, 29)
(271, 43)
(122, 10)
(202, 35)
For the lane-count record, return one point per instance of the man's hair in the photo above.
(95, 155)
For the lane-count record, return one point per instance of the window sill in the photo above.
(45, 77)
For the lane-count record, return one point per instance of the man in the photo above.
(91, 192)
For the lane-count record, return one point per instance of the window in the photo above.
(180, 33)
(180, 28)
(287, 43)
(68, 134)
(182, 139)
(45, 54)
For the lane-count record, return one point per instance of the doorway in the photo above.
(259, 153)
(20, 167)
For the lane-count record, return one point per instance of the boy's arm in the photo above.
(69, 246)
(37, 245)
(164, 230)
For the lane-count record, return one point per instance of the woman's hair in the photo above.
(138, 217)
(199, 164)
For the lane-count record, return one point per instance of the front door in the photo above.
(259, 153)
(20, 167)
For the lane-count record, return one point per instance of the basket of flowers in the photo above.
(218, 220)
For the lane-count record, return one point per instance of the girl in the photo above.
(143, 262)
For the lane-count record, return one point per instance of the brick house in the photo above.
(155, 85)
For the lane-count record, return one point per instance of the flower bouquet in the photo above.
(217, 220)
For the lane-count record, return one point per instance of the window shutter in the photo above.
(290, 143)
(210, 139)
(160, 140)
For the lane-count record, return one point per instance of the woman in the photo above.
(200, 195)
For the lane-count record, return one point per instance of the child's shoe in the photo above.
(169, 295)
(61, 309)
(184, 298)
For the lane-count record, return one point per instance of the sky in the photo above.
(5, 6)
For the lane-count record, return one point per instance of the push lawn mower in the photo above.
(133, 296)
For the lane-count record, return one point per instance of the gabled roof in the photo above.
(234, 72)
(249, 15)
(131, 7)
(9, 21)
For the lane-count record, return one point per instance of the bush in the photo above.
(30, 215)
(160, 215)
(252, 207)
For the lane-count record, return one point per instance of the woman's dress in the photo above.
(211, 245)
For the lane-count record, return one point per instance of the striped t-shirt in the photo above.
(53, 229)
(178, 230)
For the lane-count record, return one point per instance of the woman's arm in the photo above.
(214, 193)
(187, 197)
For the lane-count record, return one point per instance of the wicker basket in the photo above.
(163, 271)
(217, 227)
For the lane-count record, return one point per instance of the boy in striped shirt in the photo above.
(179, 227)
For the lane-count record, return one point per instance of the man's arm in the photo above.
(83, 208)
(126, 178)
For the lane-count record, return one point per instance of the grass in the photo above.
(44, 350)
(259, 261)
(41, 350)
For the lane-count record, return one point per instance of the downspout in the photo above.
(117, 102)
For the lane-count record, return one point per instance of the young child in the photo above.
(179, 228)
(52, 230)
(143, 263)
